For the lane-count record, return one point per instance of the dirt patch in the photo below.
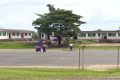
(101, 67)
(103, 44)
(92, 67)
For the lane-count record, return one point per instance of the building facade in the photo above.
(44, 36)
(15, 34)
(100, 35)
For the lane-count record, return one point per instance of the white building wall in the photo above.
(52, 38)
(100, 37)
(14, 36)
(117, 35)
(4, 37)
(90, 37)
(27, 37)
(113, 37)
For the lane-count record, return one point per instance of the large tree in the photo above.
(60, 21)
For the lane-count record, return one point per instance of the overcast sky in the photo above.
(99, 14)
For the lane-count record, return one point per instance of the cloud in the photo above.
(3, 2)
(16, 19)
(8, 3)
(95, 12)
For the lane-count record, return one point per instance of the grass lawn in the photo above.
(31, 45)
(17, 45)
(51, 74)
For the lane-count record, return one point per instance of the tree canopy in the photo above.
(60, 21)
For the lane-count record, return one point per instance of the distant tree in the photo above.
(62, 22)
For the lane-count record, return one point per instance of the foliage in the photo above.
(35, 34)
(66, 41)
(60, 21)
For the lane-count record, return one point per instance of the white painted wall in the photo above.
(3, 37)
(15, 37)
(27, 36)
(100, 37)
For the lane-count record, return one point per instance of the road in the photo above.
(55, 57)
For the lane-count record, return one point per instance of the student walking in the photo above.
(44, 46)
(71, 46)
(38, 47)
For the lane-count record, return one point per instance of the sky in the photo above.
(98, 14)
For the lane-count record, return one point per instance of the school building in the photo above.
(7, 34)
(113, 35)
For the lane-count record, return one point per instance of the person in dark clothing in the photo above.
(38, 47)
(44, 46)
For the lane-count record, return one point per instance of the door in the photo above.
(104, 36)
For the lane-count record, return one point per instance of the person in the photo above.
(70, 45)
(49, 43)
(44, 46)
(38, 47)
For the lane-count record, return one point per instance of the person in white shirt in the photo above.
(70, 45)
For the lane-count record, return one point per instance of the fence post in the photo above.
(83, 47)
(118, 59)
(79, 59)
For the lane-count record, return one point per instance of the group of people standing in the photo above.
(40, 47)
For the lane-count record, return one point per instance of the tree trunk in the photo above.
(59, 41)
(48, 36)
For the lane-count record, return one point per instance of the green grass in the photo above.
(31, 45)
(45, 74)
(77, 44)
(86, 42)
(17, 45)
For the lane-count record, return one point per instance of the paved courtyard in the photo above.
(57, 58)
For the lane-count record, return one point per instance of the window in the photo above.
(83, 34)
(25, 34)
(18, 34)
(0, 33)
(4, 33)
(91, 34)
(42, 35)
(29, 34)
(111, 34)
(13, 34)
(118, 34)
(98, 34)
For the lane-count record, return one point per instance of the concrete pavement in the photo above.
(57, 58)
